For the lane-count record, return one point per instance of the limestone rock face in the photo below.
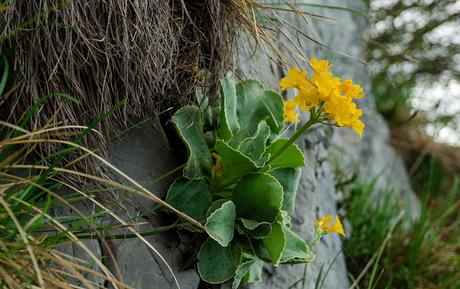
(144, 154)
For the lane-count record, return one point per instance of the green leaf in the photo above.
(255, 272)
(214, 206)
(283, 246)
(243, 268)
(260, 232)
(255, 229)
(215, 263)
(249, 270)
(254, 147)
(296, 250)
(255, 103)
(250, 224)
(258, 197)
(289, 178)
(190, 196)
(228, 118)
(292, 157)
(205, 108)
(284, 218)
(234, 166)
(189, 125)
(275, 243)
(220, 225)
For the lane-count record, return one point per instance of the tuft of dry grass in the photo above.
(150, 55)
(31, 230)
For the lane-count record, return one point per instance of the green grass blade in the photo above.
(382, 248)
(4, 78)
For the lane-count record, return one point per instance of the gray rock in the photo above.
(72, 249)
(144, 155)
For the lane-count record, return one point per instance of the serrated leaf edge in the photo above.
(213, 236)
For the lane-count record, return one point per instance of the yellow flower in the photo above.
(345, 112)
(323, 222)
(295, 78)
(320, 65)
(351, 90)
(307, 98)
(337, 227)
(290, 113)
(358, 126)
(326, 228)
(324, 80)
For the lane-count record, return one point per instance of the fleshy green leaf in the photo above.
(215, 263)
(214, 206)
(260, 232)
(275, 243)
(284, 218)
(243, 268)
(250, 224)
(255, 272)
(255, 103)
(189, 125)
(255, 229)
(292, 157)
(254, 147)
(296, 250)
(228, 118)
(283, 246)
(220, 225)
(289, 178)
(205, 108)
(234, 166)
(258, 197)
(190, 196)
(249, 270)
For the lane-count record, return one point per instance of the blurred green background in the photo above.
(413, 51)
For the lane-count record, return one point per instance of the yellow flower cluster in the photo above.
(325, 227)
(335, 96)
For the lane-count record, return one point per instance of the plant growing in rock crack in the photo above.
(240, 180)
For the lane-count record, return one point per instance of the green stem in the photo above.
(317, 239)
(313, 120)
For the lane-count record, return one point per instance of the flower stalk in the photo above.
(314, 118)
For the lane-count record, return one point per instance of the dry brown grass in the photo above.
(153, 55)
(31, 232)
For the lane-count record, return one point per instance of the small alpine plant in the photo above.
(241, 176)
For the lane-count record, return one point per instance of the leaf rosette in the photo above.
(235, 188)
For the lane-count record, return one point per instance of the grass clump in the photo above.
(30, 229)
(42, 212)
(385, 251)
(48, 239)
